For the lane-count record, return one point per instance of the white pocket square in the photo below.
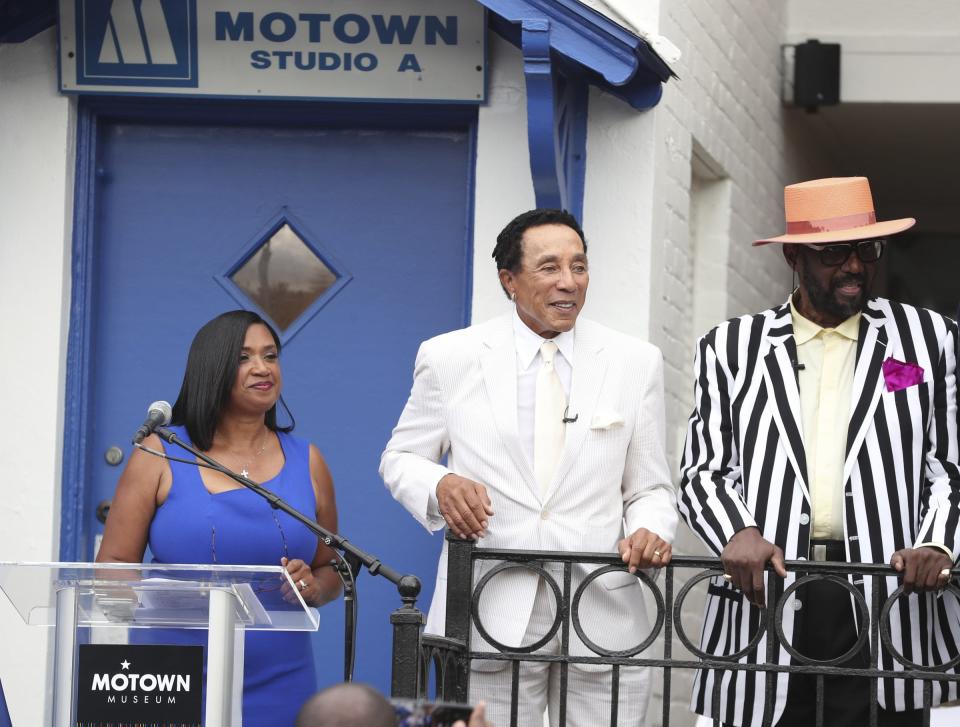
(606, 420)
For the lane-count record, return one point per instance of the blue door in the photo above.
(377, 220)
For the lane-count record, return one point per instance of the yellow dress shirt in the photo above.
(829, 357)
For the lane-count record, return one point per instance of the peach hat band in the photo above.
(831, 224)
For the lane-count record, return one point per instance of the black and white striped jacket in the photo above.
(744, 464)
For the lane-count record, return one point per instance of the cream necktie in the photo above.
(548, 424)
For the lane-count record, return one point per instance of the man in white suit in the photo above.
(553, 429)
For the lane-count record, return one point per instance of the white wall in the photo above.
(503, 187)
(724, 112)
(891, 51)
(617, 213)
(36, 154)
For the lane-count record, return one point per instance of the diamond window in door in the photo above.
(285, 275)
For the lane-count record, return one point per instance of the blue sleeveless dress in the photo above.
(238, 527)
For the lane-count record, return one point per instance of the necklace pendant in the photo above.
(244, 473)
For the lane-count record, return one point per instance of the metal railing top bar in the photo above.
(684, 561)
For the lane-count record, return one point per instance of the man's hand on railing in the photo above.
(744, 560)
(644, 549)
(923, 569)
(465, 505)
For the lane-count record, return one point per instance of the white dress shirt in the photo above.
(529, 361)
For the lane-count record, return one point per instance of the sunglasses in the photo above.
(869, 251)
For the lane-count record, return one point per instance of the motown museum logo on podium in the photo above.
(139, 685)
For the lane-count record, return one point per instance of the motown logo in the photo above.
(126, 686)
(137, 42)
(139, 684)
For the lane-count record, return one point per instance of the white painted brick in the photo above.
(728, 101)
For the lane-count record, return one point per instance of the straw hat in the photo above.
(837, 209)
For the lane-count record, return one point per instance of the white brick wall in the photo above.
(727, 103)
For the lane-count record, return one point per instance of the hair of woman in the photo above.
(211, 371)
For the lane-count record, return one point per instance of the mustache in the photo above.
(849, 278)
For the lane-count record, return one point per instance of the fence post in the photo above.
(408, 623)
(459, 598)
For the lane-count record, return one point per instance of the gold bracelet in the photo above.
(939, 546)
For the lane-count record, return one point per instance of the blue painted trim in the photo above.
(283, 111)
(614, 58)
(254, 99)
(571, 131)
(538, 71)
(74, 489)
(556, 124)
(4, 714)
(284, 217)
(469, 224)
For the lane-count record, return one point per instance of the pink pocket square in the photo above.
(901, 374)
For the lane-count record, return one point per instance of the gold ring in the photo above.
(656, 553)
(303, 584)
(945, 573)
(727, 577)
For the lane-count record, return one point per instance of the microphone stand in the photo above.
(407, 585)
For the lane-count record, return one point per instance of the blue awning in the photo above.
(567, 46)
(605, 53)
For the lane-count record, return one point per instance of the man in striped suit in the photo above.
(553, 430)
(826, 428)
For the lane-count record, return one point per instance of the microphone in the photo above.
(567, 419)
(158, 415)
(797, 366)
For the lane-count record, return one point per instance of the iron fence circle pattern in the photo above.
(478, 592)
(578, 627)
(887, 640)
(858, 599)
(682, 635)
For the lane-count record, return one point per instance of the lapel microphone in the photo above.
(797, 366)
(567, 419)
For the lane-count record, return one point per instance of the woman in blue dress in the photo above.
(227, 408)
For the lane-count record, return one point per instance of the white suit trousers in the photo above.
(588, 686)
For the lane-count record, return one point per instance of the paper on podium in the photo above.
(163, 600)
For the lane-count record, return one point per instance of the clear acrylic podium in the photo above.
(225, 600)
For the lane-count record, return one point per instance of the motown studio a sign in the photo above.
(139, 685)
(402, 50)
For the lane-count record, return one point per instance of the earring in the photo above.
(513, 297)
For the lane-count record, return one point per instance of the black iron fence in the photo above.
(435, 667)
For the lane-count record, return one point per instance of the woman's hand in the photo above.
(303, 579)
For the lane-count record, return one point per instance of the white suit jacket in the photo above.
(613, 471)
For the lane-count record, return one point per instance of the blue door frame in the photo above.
(74, 543)
(98, 115)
